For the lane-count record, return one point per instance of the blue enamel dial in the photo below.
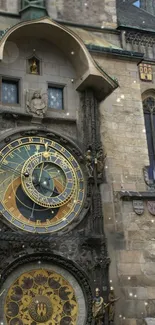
(42, 187)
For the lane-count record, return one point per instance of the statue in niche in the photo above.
(98, 308)
(99, 162)
(89, 162)
(111, 306)
(36, 103)
(34, 68)
(34, 65)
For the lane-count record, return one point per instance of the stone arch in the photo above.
(148, 93)
(89, 74)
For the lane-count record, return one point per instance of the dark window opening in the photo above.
(149, 116)
(10, 91)
(55, 97)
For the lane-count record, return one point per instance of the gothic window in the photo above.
(55, 97)
(149, 116)
(10, 91)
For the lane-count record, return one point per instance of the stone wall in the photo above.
(87, 12)
(130, 236)
(122, 127)
(11, 6)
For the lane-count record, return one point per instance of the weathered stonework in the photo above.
(98, 13)
(130, 237)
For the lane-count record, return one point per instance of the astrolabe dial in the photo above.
(42, 187)
(49, 180)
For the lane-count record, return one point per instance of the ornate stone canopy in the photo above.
(89, 75)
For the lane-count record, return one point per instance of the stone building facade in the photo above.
(99, 56)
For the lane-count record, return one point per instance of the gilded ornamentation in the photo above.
(98, 308)
(40, 309)
(36, 103)
(145, 72)
(41, 296)
(34, 65)
(34, 69)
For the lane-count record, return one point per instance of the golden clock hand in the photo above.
(41, 171)
(46, 146)
(31, 216)
(46, 153)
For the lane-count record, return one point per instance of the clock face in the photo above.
(42, 188)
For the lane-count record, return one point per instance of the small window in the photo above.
(10, 91)
(55, 98)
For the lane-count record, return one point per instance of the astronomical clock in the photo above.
(42, 186)
(42, 197)
(53, 254)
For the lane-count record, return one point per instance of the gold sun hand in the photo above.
(41, 171)
(46, 153)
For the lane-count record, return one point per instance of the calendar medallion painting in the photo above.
(39, 297)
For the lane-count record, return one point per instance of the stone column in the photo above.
(95, 238)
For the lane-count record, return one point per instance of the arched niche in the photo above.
(33, 65)
(89, 74)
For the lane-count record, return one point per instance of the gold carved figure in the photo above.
(98, 308)
(34, 67)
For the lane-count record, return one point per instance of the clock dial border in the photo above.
(81, 188)
(30, 190)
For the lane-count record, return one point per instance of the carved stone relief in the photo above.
(36, 102)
